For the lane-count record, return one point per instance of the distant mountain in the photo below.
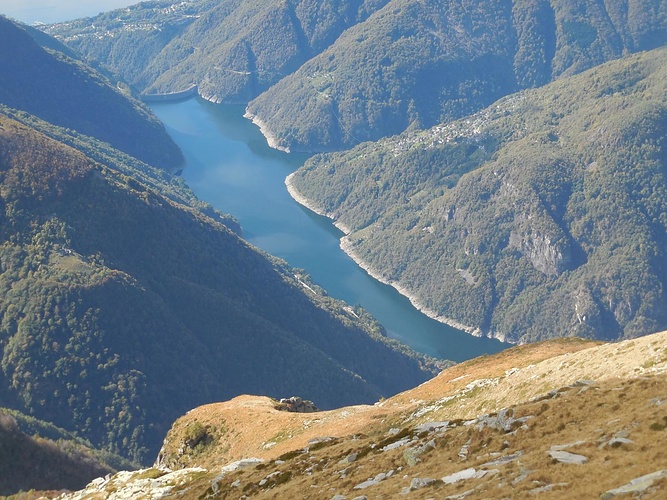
(234, 49)
(48, 83)
(328, 74)
(421, 62)
(542, 215)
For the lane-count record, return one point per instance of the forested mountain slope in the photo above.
(233, 50)
(329, 74)
(124, 300)
(420, 62)
(123, 305)
(49, 84)
(36, 455)
(543, 215)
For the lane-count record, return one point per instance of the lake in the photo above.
(230, 166)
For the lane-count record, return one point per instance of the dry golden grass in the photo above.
(588, 395)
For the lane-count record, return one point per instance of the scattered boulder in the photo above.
(373, 481)
(296, 405)
(638, 485)
(504, 459)
(470, 473)
(565, 457)
(421, 482)
(413, 455)
(502, 421)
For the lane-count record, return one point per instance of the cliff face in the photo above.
(537, 419)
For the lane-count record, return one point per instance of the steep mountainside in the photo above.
(543, 215)
(123, 305)
(233, 49)
(49, 84)
(37, 455)
(560, 419)
(419, 62)
(330, 74)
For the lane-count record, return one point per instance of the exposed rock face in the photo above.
(547, 256)
(296, 405)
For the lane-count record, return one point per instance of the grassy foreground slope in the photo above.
(543, 215)
(558, 419)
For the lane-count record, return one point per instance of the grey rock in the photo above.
(618, 441)
(338, 497)
(372, 482)
(545, 488)
(503, 421)
(397, 444)
(503, 460)
(558, 447)
(470, 473)
(463, 452)
(459, 496)
(420, 482)
(565, 457)
(297, 405)
(319, 440)
(431, 426)
(240, 464)
(638, 485)
(412, 456)
(524, 473)
(351, 457)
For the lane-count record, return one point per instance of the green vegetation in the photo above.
(329, 74)
(51, 85)
(125, 300)
(540, 216)
(29, 460)
(124, 307)
(417, 63)
(233, 49)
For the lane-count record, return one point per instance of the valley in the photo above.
(502, 164)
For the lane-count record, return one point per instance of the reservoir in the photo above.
(230, 165)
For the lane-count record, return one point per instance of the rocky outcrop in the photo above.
(296, 405)
(547, 256)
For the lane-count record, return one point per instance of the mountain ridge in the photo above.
(64, 91)
(538, 418)
(342, 73)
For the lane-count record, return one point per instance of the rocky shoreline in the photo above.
(346, 246)
(271, 139)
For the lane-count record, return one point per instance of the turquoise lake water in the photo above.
(230, 166)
